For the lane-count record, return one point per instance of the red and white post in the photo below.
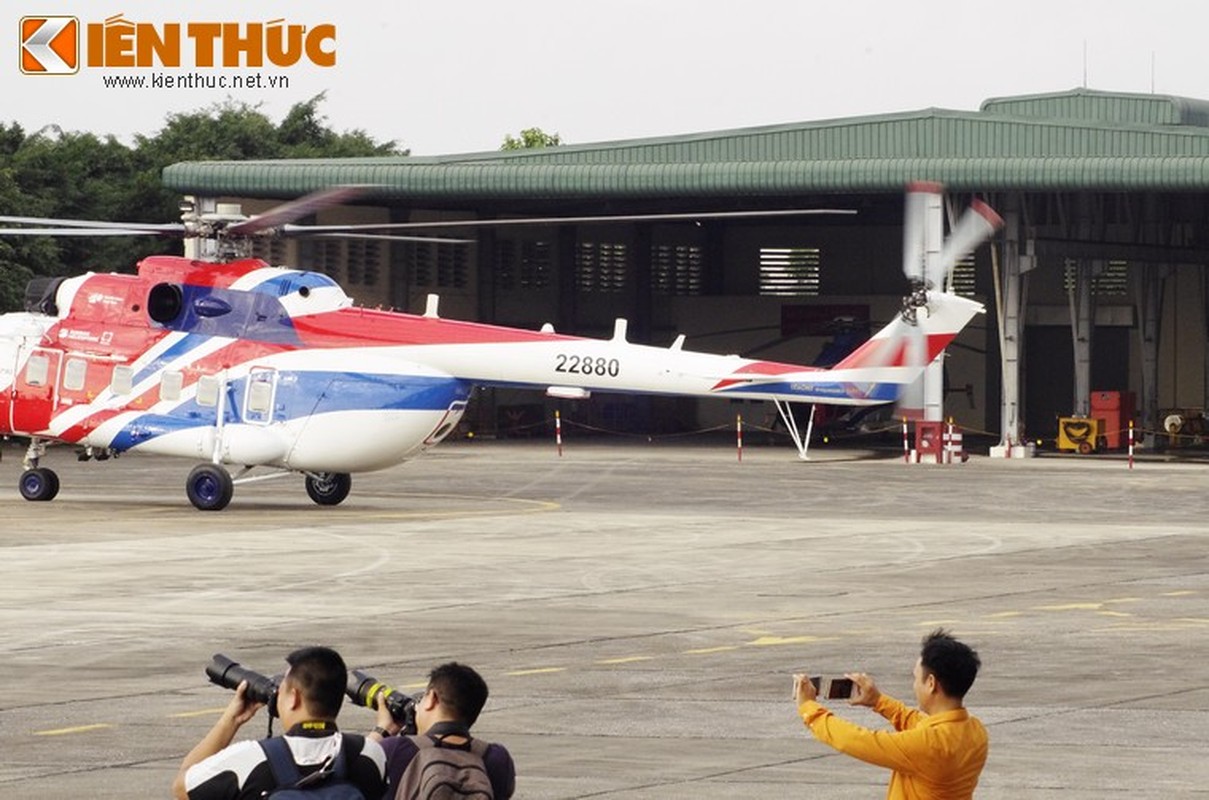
(906, 444)
(558, 432)
(1131, 444)
(739, 435)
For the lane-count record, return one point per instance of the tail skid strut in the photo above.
(791, 424)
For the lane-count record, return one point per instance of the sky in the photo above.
(454, 76)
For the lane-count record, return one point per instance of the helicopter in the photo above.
(240, 365)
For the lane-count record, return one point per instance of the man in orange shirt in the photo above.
(936, 751)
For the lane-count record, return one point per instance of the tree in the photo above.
(531, 139)
(74, 175)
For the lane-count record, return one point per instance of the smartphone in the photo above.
(833, 688)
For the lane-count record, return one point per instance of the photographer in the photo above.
(444, 713)
(937, 751)
(308, 698)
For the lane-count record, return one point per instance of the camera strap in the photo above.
(440, 730)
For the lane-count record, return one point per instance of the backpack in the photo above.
(329, 782)
(446, 772)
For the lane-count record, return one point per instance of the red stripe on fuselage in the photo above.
(760, 368)
(892, 352)
(175, 269)
(371, 328)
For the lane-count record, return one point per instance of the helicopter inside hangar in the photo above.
(1098, 275)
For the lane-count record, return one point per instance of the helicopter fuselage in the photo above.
(245, 364)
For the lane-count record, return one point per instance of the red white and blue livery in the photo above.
(247, 365)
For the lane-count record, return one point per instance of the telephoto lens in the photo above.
(363, 690)
(229, 674)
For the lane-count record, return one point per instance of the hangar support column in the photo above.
(1082, 322)
(1010, 293)
(1150, 286)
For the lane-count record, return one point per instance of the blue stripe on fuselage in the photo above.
(877, 392)
(188, 343)
(257, 314)
(303, 393)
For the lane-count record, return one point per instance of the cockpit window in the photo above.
(303, 283)
(40, 296)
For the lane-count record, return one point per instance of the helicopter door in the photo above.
(33, 398)
(259, 396)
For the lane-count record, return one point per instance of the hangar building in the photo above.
(1095, 285)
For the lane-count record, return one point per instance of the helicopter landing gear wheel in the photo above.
(209, 487)
(39, 484)
(329, 488)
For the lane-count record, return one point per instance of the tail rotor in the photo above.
(928, 261)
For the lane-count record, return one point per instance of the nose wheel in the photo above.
(39, 484)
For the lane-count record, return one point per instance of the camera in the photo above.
(229, 674)
(363, 690)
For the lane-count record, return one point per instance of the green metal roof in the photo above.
(1076, 140)
(1085, 104)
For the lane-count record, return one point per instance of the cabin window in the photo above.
(260, 393)
(74, 374)
(171, 384)
(123, 380)
(37, 370)
(207, 390)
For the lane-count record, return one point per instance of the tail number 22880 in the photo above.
(587, 365)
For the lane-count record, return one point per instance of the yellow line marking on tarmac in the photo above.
(700, 651)
(78, 729)
(931, 623)
(1070, 607)
(1180, 593)
(625, 660)
(1195, 620)
(774, 641)
(537, 671)
(1003, 614)
(1130, 627)
(1123, 600)
(1115, 614)
(200, 713)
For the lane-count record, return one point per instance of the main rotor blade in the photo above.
(482, 223)
(149, 227)
(295, 209)
(391, 238)
(83, 232)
